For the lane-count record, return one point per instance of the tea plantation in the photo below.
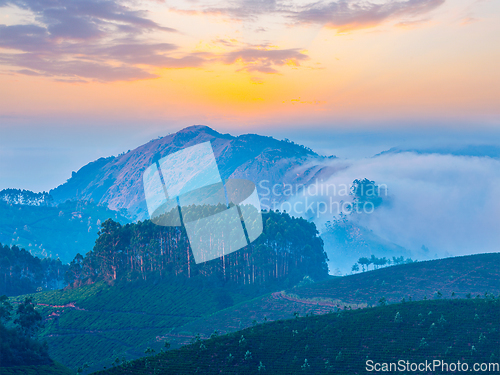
(466, 330)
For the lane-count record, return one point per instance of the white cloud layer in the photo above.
(448, 203)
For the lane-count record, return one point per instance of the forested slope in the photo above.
(139, 284)
(23, 273)
(56, 231)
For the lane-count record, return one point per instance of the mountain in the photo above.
(346, 343)
(117, 181)
(273, 165)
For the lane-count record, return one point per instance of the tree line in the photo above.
(365, 262)
(26, 197)
(23, 273)
(18, 346)
(287, 250)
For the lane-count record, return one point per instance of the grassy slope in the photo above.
(97, 323)
(53, 369)
(439, 329)
(474, 274)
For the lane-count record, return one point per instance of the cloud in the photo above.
(74, 68)
(468, 20)
(412, 24)
(105, 41)
(346, 15)
(343, 15)
(238, 10)
(84, 19)
(448, 203)
(264, 60)
(87, 39)
(25, 38)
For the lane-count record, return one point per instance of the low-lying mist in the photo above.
(435, 205)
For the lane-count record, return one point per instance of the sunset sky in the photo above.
(88, 78)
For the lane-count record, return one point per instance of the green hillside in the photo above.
(442, 278)
(454, 278)
(140, 283)
(52, 369)
(450, 330)
(139, 288)
(20, 352)
(99, 322)
(59, 231)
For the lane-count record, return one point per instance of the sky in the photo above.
(84, 79)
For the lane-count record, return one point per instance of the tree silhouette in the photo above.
(28, 319)
(288, 249)
(5, 309)
(365, 262)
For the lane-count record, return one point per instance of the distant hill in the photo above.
(491, 151)
(472, 274)
(25, 197)
(117, 181)
(56, 231)
(346, 242)
(344, 343)
(23, 273)
(459, 277)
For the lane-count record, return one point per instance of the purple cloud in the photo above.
(104, 41)
(340, 14)
(86, 39)
(347, 15)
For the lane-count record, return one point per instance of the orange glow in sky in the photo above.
(251, 64)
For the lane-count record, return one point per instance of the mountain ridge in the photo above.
(117, 181)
